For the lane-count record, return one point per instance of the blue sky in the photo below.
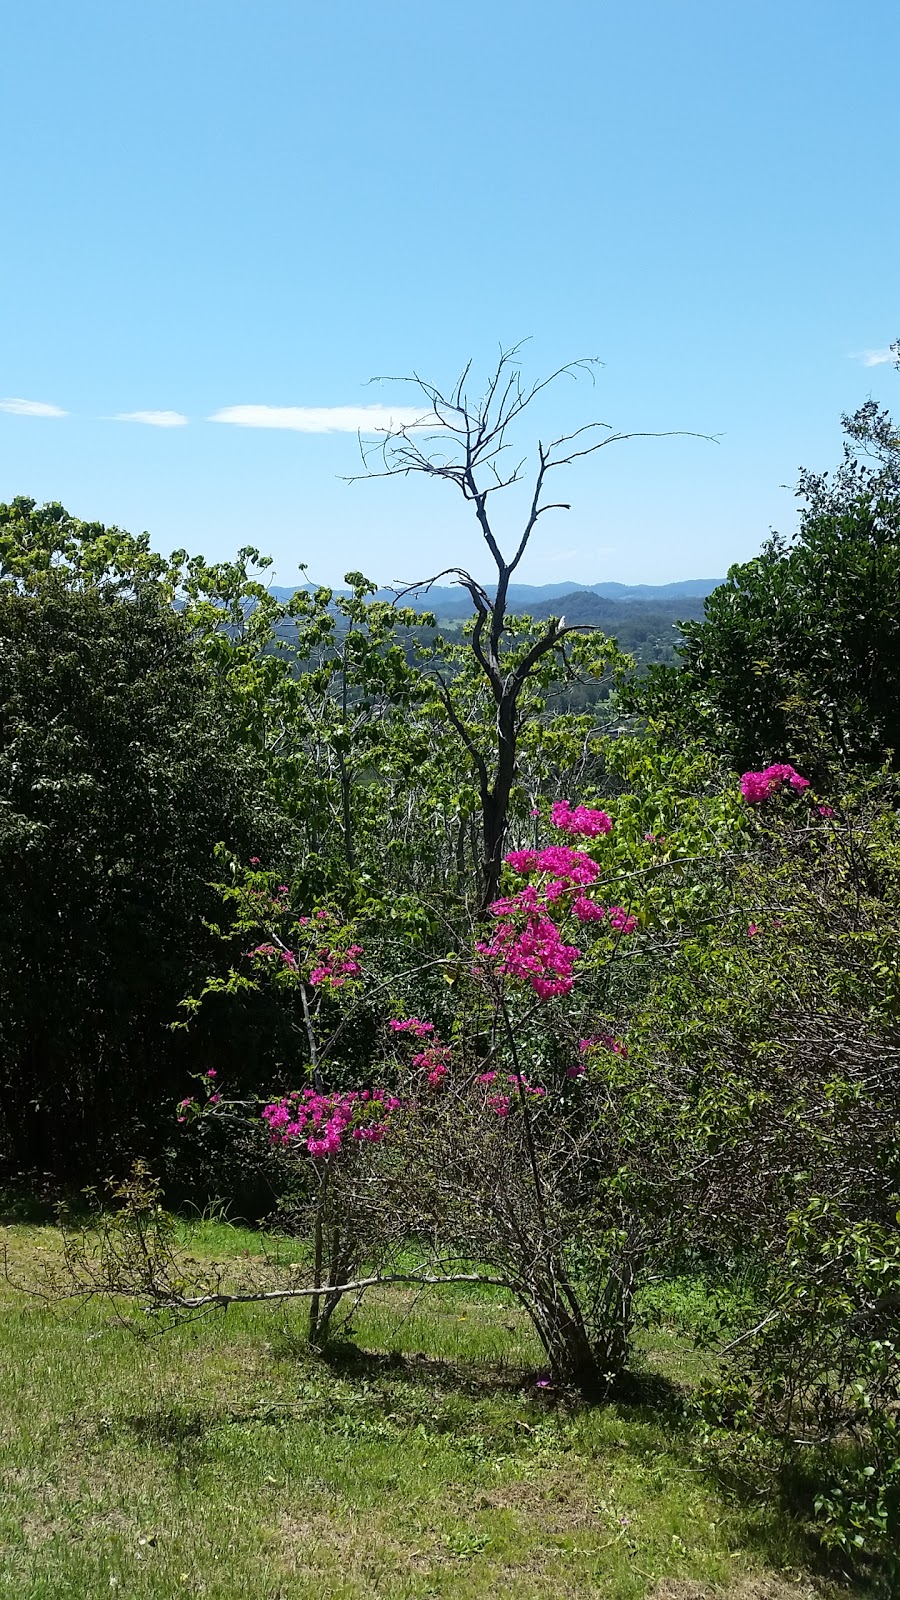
(215, 204)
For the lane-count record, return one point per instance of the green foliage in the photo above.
(798, 657)
(731, 1174)
(118, 773)
(822, 1375)
(781, 1021)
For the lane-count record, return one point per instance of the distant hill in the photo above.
(542, 599)
(586, 605)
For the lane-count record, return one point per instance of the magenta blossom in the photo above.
(579, 819)
(534, 952)
(321, 1121)
(604, 1041)
(559, 859)
(587, 910)
(435, 1060)
(413, 1025)
(758, 786)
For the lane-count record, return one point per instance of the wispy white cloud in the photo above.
(31, 408)
(325, 419)
(876, 358)
(154, 419)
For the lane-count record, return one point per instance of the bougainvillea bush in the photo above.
(510, 1134)
(786, 1024)
(546, 1123)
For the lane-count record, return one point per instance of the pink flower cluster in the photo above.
(527, 942)
(435, 1060)
(534, 951)
(335, 968)
(620, 919)
(603, 1041)
(287, 956)
(579, 819)
(758, 786)
(501, 1103)
(322, 1121)
(570, 867)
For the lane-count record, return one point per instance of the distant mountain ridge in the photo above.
(446, 601)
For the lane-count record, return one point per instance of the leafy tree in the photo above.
(464, 441)
(798, 656)
(118, 773)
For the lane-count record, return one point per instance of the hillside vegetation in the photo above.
(534, 1010)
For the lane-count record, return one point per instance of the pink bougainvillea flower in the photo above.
(758, 786)
(579, 819)
(825, 811)
(753, 930)
(413, 1025)
(620, 919)
(254, 861)
(320, 1121)
(587, 910)
(559, 859)
(604, 1041)
(435, 1059)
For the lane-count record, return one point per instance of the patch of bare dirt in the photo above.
(555, 1504)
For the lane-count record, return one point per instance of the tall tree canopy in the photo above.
(118, 775)
(798, 655)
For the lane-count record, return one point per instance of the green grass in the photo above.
(223, 1459)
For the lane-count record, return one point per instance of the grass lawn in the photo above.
(223, 1459)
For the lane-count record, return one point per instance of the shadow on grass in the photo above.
(29, 1209)
(770, 1512)
(774, 1505)
(476, 1379)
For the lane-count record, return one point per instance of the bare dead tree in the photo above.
(466, 443)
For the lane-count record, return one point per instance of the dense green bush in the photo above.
(117, 777)
(798, 655)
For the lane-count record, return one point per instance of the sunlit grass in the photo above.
(223, 1459)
